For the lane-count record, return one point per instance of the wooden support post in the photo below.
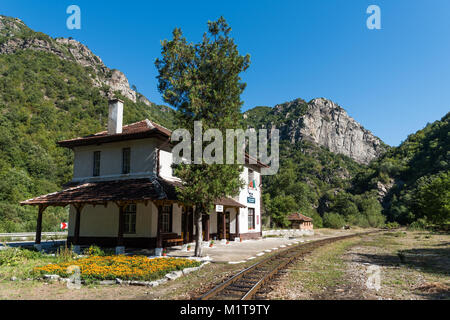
(207, 228)
(224, 224)
(237, 223)
(159, 243)
(121, 226)
(39, 225)
(185, 226)
(76, 234)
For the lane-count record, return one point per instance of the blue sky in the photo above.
(393, 81)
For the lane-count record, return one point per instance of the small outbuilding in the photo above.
(300, 221)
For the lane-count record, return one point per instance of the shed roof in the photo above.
(297, 216)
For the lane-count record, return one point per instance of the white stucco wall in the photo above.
(165, 165)
(243, 195)
(143, 157)
(99, 221)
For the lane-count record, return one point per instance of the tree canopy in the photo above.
(202, 81)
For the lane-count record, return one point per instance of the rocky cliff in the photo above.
(15, 35)
(322, 122)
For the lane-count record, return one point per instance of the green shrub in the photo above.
(317, 219)
(333, 220)
(357, 220)
(392, 225)
(64, 254)
(419, 224)
(15, 256)
(94, 251)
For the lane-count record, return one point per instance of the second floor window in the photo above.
(126, 157)
(130, 218)
(96, 170)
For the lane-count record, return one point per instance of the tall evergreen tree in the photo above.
(202, 82)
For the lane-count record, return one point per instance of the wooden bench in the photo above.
(173, 241)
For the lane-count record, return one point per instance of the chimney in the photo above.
(115, 116)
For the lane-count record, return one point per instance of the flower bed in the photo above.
(119, 266)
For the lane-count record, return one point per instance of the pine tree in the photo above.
(202, 82)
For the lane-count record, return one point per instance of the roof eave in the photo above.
(112, 138)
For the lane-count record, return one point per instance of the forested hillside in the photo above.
(311, 178)
(331, 168)
(44, 99)
(415, 177)
(409, 184)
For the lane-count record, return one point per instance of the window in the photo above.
(251, 179)
(251, 218)
(130, 218)
(96, 171)
(126, 155)
(166, 219)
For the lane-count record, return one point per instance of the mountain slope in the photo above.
(324, 155)
(322, 150)
(16, 36)
(322, 122)
(49, 92)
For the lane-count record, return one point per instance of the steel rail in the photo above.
(282, 259)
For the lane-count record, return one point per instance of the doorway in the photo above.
(220, 225)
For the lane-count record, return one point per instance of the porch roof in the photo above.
(132, 190)
(145, 189)
(229, 202)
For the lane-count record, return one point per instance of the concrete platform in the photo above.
(239, 252)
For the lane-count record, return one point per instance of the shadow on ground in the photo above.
(435, 261)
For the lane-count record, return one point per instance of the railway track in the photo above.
(245, 284)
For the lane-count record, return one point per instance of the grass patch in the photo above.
(397, 234)
(380, 241)
(20, 262)
(324, 268)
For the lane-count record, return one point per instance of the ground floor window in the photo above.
(166, 219)
(251, 218)
(130, 218)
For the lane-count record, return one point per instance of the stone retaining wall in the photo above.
(288, 232)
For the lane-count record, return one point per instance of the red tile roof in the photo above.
(137, 130)
(104, 191)
(296, 216)
(145, 189)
